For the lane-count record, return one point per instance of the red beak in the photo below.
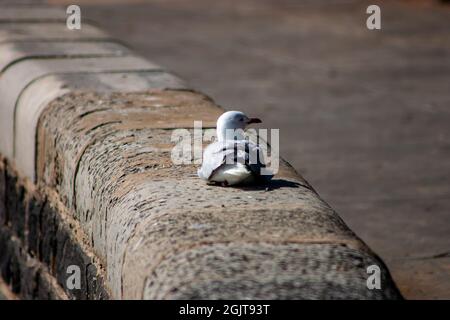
(254, 120)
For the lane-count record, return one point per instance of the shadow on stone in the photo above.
(267, 186)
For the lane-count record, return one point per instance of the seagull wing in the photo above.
(229, 152)
(212, 159)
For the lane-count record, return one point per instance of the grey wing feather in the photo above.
(242, 151)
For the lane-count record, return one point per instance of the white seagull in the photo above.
(232, 159)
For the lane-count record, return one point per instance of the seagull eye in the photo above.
(241, 119)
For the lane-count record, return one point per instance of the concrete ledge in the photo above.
(45, 89)
(19, 76)
(47, 32)
(14, 52)
(87, 180)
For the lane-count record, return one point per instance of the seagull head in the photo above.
(233, 120)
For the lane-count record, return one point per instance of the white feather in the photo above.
(232, 174)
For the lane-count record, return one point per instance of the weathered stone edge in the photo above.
(132, 271)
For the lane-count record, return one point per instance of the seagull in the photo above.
(232, 159)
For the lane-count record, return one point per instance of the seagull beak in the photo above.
(254, 120)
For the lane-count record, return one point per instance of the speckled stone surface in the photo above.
(35, 98)
(265, 271)
(150, 221)
(15, 80)
(19, 51)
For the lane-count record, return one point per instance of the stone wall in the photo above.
(86, 179)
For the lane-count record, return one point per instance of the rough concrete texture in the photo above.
(266, 271)
(42, 91)
(90, 117)
(14, 52)
(141, 211)
(20, 75)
